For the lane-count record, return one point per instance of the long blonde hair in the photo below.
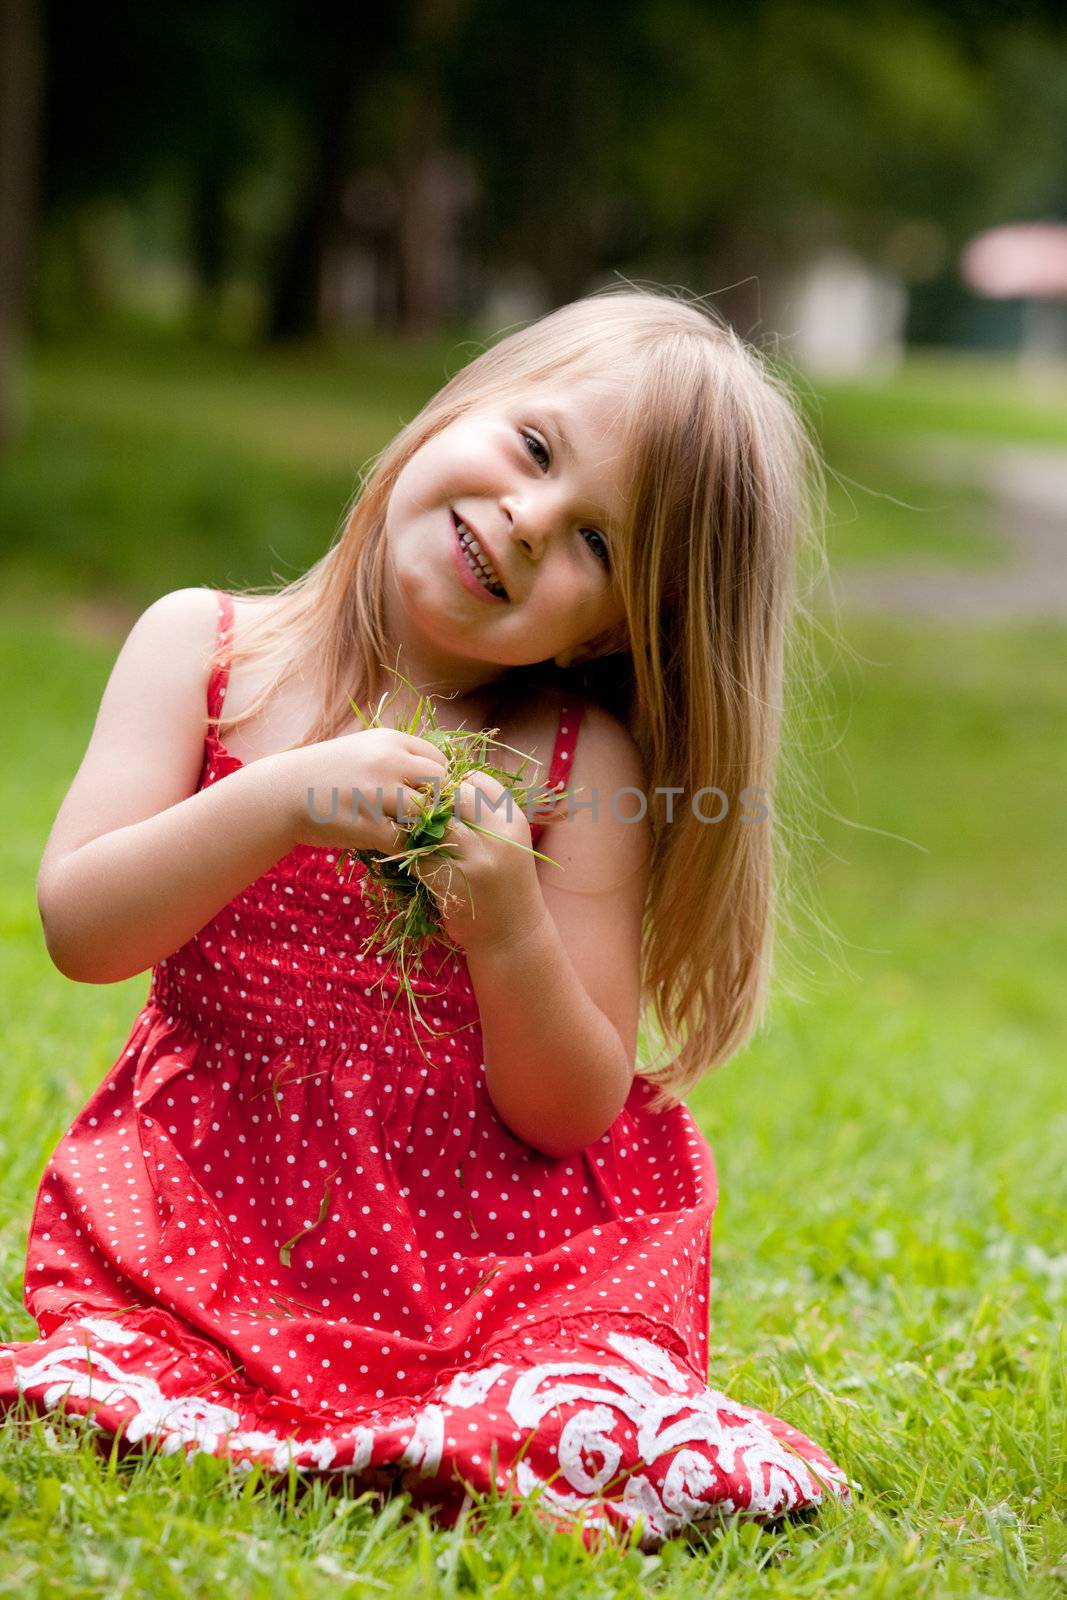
(726, 485)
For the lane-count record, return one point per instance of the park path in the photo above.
(1027, 487)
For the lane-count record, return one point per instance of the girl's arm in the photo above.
(560, 1000)
(137, 862)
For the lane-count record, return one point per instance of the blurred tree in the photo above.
(783, 125)
(714, 143)
(544, 103)
(409, 192)
(20, 65)
(680, 139)
(1027, 156)
(330, 67)
(422, 136)
(142, 96)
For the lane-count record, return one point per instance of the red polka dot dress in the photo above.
(290, 1229)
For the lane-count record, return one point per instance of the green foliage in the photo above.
(781, 111)
(671, 137)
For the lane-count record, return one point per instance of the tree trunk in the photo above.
(296, 310)
(417, 234)
(435, 192)
(742, 276)
(20, 79)
(207, 243)
(350, 46)
(432, 186)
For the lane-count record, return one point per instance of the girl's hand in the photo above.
(486, 887)
(376, 763)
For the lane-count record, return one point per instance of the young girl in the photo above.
(293, 1227)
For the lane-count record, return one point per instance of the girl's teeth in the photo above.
(473, 551)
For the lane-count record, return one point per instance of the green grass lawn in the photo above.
(889, 1260)
(956, 392)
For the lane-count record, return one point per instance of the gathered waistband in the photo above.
(273, 1009)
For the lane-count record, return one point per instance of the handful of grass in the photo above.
(404, 912)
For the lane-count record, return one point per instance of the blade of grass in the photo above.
(286, 1251)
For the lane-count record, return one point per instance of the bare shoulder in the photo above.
(606, 744)
(166, 652)
(602, 835)
(186, 617)
(602, 736)
(176, 636)
(146, 748)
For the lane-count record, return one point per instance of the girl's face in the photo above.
(536, 478)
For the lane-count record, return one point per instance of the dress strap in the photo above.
(570, 717)
(220, 673)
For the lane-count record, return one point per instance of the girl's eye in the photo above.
(603, 554)
(532, 439)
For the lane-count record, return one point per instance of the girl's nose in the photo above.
(531, 520)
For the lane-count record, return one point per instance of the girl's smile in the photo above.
(476, 568)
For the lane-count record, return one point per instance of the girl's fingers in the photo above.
(415, 801)
(394, 815)
(467, 794)
(479, 798)
(427, 751)
(428, 784)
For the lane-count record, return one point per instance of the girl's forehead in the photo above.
(601, 389)
(582, 404)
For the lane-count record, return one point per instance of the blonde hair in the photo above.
(726, 484)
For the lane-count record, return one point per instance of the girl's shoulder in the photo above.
(176, 636)
(147, 742)
(601, 837)
(197, 609)
(184, 624)
(607, 752)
